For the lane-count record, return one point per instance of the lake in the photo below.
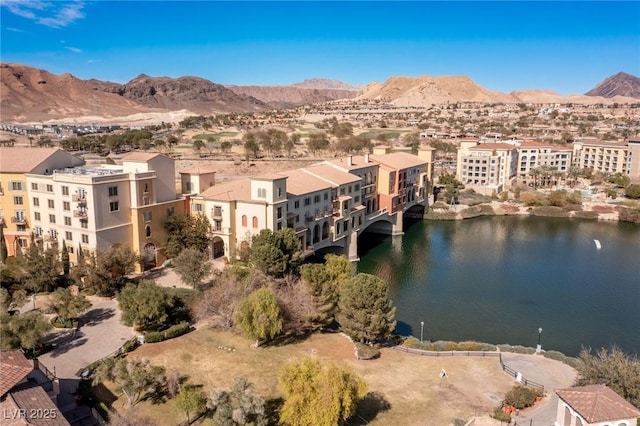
(499, 279)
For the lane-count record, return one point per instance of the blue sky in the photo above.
(564, 46)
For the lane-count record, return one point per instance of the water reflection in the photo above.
(498, 279)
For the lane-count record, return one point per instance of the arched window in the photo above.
(148, 231)
(244, 220)
(255, 222)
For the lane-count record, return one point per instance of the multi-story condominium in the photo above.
(15, 200)
(608, 157)
(487, 167)
(534, 155)
(327, 204)
(90, 208)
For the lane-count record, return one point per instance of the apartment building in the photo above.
(58, 198)
(327, 204)
(534, 155)
(608, 157)
(487, 167)
(15, 202)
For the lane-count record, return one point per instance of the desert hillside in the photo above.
(621, 84)
(294, 95)
(30, 94)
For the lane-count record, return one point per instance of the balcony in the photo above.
(19, 220)
(80, 213)
(50, 237)
(216, 214)
(79, 198)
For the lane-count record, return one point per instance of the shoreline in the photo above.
(588, 211)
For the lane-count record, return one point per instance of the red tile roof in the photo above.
(598, 403)
(14, 367)
(38, 407)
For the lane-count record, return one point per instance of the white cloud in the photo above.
(73, 49)
(54, 14)
(15, 30)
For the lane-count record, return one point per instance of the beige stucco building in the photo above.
(608, 157)
(487, 167)
(534, 155)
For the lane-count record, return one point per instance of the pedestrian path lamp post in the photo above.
(421, 330)
(539, 347)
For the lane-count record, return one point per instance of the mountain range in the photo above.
(29, 94)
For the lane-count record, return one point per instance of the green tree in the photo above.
(317, 142)
(259, 316)
(365, 311)
(198, 144)
(107, 270)
(64, 258)
(134, 378)
(320, 395)
(632, 191)
(186, 231)
(12, 300)
(614, 368)
(251, 146)
(276, 252)
(243, 405)
(23, 330)
(192, 266)
(41, 267)
(324, 282)
(3, 246)
(66, 305)
(145, 305)
(191, 400)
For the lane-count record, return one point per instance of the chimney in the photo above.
(366, 157)
(350, 161)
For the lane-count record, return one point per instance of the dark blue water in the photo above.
(499, 279)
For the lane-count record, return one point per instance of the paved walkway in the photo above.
(100, 334)
(550, 373)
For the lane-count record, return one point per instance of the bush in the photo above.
(586, 215)
(632, 191)
(559, 356)
(521, 397)
(153, 337)
(499, 414)
(177, 330)
(531, 198)
(130, 345)
(444, 345)
(550, 211)
(365, 351)
(516, 349)
(629, 215)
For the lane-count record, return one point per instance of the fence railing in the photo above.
(510, 371)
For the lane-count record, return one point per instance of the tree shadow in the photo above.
(67, 342)
(372, 404)
(272, 410)
(288, 339)
(96, 316)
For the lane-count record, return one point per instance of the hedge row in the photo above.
(174, 331)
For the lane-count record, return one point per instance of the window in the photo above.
(279, 192)
(52, 218)
(171, 211)
(316, 198)
(296, 204)
(147, 231)
(262, 193)
(84, 224)
(146, 188)
(65, 190)
(198, 208)
(34, 186)
(22, 243)
(66, 206)
(279, 212)
(114, 206)
(85, 238)
(255, 222)
(113, 191)
(51, 204)
(70, 250)
(307, 201)
(37, 231)
(217, 225)
(16, 186)
(326, 196)
(21, 228)
(146, 201)
(67, 221)
(279, 226)
(36, 215)
(68, 236)
(36, 202)
(18, 201)
(244, 220)
(147, 216)
(49, 188)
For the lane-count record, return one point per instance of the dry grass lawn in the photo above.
(409, 383)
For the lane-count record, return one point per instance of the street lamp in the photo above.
(421, 330)
(539, 347)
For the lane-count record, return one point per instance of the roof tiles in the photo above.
(598, 403)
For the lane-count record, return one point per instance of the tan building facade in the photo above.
(608, 157)
(487, 167)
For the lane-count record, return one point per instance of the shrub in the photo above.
(550, 211)
(153, 337)
(531, 198)
(632, 191)
(521, 396)
(629, 215)
(499, 414)
(365, 351)
(177, 330)
(516, 349)
(559, 356)
(130, 345)
(586, 215)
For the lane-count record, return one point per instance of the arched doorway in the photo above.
(316, 234)
(149, 256)
(217, 247)
(325, 230)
